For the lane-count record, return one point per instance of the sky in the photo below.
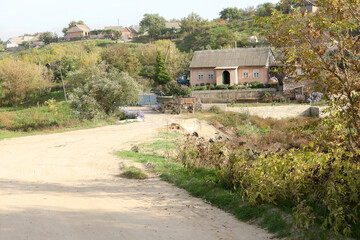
(25, 16)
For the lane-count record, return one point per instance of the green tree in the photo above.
(161, 74)
(153, 24)
(72, 24)
(18, 79)
(102, 93)
(48, 37)
(191, 23)
(325, 46)
(231, 14)
(264, 10)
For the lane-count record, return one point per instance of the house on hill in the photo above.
(77, 32)
(17, 41)
(231, 66)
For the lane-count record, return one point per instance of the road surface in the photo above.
(63, 186)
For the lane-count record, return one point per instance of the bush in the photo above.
(215, 109)
(103, 94)
(202, 84)
(221, 87)
(174, 89)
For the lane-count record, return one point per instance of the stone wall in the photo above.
(230, 96)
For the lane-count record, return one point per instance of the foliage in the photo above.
(191, 22)
(19, 80)
(264, 10)
(324, 45)
(133, 173)
(153, 24)
(231, 14)
(37, 118)
(174, 89)
(161, 74)
(102, 93)
(67, 64)
(121, 57)
(215, 109)
(48, 37)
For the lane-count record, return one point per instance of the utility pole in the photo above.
(63, 85)
(167, 53)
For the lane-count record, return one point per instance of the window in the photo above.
(201, 75)
(256, 73)
(245, 74)
(211, 75)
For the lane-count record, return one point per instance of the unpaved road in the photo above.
(63, 186)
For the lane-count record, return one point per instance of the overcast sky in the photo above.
(30, 16)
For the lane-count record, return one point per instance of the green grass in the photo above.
(133, 173)
(20, 121)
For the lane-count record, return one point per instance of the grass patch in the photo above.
(18, 121)
(133, 173)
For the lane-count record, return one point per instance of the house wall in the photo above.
(76, 35)
(263, 74)
(194, 73)
(219, 76)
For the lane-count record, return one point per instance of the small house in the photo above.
(78, 31)
(231, 66)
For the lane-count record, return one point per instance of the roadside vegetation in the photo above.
(212, 171)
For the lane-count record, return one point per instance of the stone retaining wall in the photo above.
(229, 96)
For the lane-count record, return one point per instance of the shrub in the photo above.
(103, 94)
(202, 84)
(267, 97)
(221, 86)
(174, 89)
(214, 109)
(207, 84)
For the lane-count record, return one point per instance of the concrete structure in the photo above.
(229, 96)
(77, 32)
(231, 66)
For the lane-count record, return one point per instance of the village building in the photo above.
(231, 66)
(17, 41)
(78, 31)
(175, 26)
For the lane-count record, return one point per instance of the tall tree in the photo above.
(231, 14)
(48, 37)
(161, 74)
(264, 10)
(191, 22)
(153, 24)
(326, 47)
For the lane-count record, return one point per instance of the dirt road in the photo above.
(63, 187)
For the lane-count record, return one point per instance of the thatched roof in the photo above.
(239, 57)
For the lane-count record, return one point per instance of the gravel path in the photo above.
(63, 186)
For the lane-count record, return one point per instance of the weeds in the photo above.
(133, 173)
